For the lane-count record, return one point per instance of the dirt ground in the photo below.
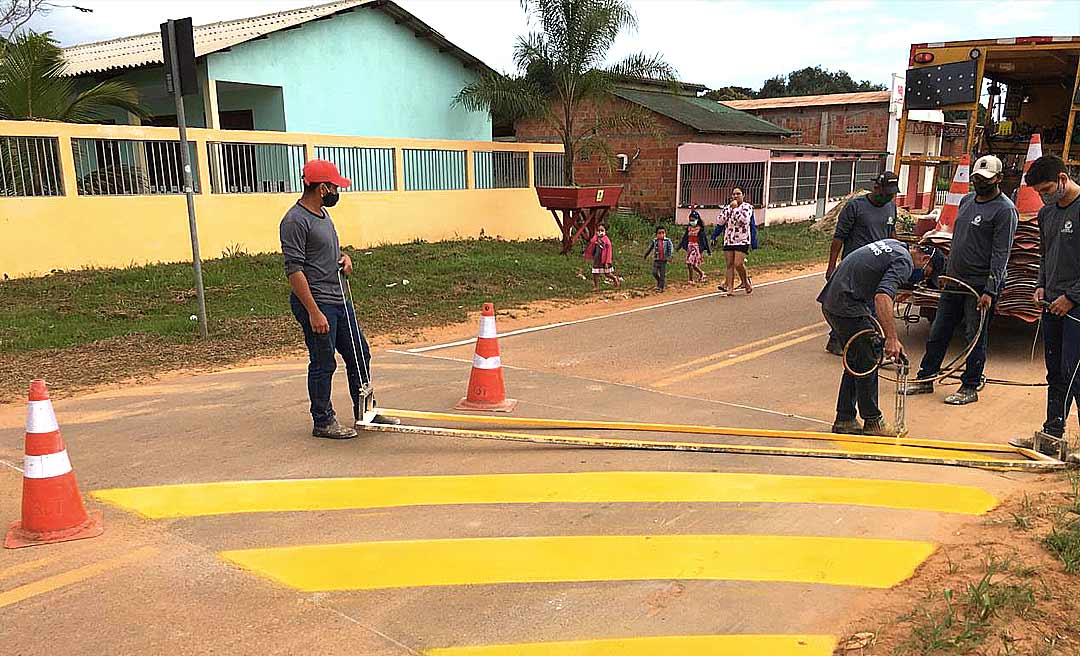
(1010, 536)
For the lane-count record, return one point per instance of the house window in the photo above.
(781, 183)
(710, 185)
(856, 129)
(795, 134)
(806, 181)
(865, 172)
(840, 178)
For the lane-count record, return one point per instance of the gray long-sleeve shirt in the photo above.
(1059, 246)
(309, 243)
(982, 238)
(880, 267)
(861, 222)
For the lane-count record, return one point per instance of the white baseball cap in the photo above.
(987, 166)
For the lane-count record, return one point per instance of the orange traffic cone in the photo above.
(52, 509)
(486, 390)
(957, 190)
(1027, 199)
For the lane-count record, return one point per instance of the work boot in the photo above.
(1074, 458)
(386, 420)
(847, 427)
(881, 428)
(963, 396)
(334, 431)
(1023, 442)
(914, 389)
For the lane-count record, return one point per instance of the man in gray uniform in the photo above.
(309, 244)
(982, 238)
(863, 220)
(868, 275)
(1058, 290)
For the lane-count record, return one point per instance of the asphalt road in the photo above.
(429, 553)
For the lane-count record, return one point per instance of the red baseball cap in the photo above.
(320, 170)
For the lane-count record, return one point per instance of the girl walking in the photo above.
(602, 252)
(695, 241)
(736, 219)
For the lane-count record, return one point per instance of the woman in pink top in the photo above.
(736, 221)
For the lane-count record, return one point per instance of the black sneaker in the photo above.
(847, 427)
(385, 419)
(963, 396)
(914, 389)
(333, 431)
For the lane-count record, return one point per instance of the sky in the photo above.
(711, 42)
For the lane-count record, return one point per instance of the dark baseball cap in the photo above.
(888, 182)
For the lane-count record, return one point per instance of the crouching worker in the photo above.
(868, 275)
(316, 269)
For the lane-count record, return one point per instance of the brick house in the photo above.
(649, 171)
(844, 120)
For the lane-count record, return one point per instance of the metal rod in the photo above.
(181, 121)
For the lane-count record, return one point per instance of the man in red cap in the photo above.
(313, 264)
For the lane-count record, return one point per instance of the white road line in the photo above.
(560, 324)
(15, 467)
(633, 387)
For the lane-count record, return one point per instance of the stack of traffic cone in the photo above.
(486, 390)
(957, 190)
(52, 508)
(1027, 199)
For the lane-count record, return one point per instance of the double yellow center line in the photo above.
(743, 353)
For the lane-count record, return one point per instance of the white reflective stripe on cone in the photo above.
(40, 417)
(963, 174)
(487, 327)
(486, 363)
(953, 199)
(46, 466)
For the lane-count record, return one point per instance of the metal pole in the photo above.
(185, 158)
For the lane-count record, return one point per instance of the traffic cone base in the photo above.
(486, 389)
(957, 190)
(91, 528)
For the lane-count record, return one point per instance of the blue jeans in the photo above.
(855, 392)
(955, 309)
(1061, 341)
(321, 360)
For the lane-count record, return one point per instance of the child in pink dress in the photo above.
(602, 254)
(694, 242)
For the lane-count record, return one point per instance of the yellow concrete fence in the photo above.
(75, 196)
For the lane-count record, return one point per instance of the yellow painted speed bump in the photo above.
(698, 645)
(861, 562)
(222, 498)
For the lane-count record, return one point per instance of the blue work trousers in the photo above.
(1061, 345)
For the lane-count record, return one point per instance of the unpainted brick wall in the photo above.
(807, 120)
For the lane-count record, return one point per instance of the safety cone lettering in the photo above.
(52, 508)
(486, 390)
(957, 190)
(1027, 199)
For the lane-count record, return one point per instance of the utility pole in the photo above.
(175, 82)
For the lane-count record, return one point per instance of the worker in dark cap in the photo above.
(865, 219)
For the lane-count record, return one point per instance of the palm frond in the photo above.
(95, 103)
(509, 97)
(644, 65)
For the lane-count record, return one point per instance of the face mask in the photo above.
(1055, 196)
(916, 276)
(983, 187)
(693, 222)
(601, 233)
(882, 199)
(330, 199)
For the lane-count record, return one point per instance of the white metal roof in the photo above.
(145, 49)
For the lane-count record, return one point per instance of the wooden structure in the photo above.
(578, 210)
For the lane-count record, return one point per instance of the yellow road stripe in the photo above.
(700, 645)
(28, 566)
(753, 355)
(749, 345)
(483, 561)
(71, 577)
(223, 498)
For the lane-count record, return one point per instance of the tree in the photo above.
(814, 80)
(730, 93)
(33, 87)
(563, 65)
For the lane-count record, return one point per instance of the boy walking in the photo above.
(663, 249)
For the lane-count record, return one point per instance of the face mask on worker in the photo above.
(330, 198)
(881, 199)
(1055, 196)
(983, 187)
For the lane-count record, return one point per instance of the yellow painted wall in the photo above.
(41, 234)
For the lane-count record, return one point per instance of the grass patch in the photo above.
(397, 286)
(1064, 538)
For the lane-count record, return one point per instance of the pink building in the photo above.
(784, 183)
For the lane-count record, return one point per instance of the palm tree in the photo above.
(33, 86)
(563, 65)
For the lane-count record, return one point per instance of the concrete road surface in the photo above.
(393, 544)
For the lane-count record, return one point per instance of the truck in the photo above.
(1005, 91)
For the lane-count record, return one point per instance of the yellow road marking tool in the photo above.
(901, 449)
